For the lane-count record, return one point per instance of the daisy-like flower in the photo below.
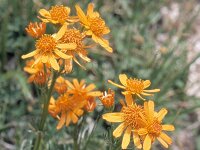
(81, 91)
(75, 36)
(58, 14)
(37, 74)
(48, 49)
(65, 109)
(94, 25)
(130, 119)
(153, 127)
(134, 86)
(36, 29)
(60, 85)
(107, 99)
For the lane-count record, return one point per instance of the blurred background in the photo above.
(157, 40)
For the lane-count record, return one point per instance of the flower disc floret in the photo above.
(59, 13)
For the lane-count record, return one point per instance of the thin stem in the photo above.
(76, 146)
(45, 111)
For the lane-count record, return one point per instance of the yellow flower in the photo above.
(153, 127)
(65, 109)
(57, 15)
(60, 85)
(130, 119)
(37, 74)
(36, 29)
(107, 99)
(48, 49)
(134, 86)
(74, 36)
(94, 25)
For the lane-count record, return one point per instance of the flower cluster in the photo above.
(141, 121)
(62, 48)
(74, 98)
(55, 53)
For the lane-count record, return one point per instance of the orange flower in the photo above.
(153, 127)
(36, 29)
(60, 85)
(94, 25)
(107, 99)
(74, 36)
(82, 92)
(130, 119)
(135, 86)
(57, 15)
(38, 76)
(65, 109)
(48, 49)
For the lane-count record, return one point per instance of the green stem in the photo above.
(45, 111)
(76, 146)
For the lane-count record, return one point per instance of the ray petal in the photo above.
(147, 143)
(136, 141)
(123, 78)
(168, 127)
(31, 54)
(113, 117)
(119, 130)
(61, 32)
(161, 114)
(126, 138)
(62, 55)
(54, 63)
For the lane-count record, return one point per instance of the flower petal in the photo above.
(142, 131)
(74, 118)
(161, 114)
(95, 93)
(152, 91)
(44, 13)
(54, 63)
(168, 127)
(147, 83)
(129, 99)
(166, 138)
(90, 8)
(120, 86)
(113, 117)
(147, 143)
(31, 54)
(62, 55)
(119, 130)
(126, 138)
(67, 46)
(136, 140)
(162, 142)
(123, 78)
(62, 121)
(90, 87)
(81, 15)
(61, 32)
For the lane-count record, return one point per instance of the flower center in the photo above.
(46, 43)
(155, 128)
(59, 13)
(134, 85)
(73, 36)
(132, 116)
(64, 103)
(97, 25)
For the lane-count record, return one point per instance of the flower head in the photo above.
(83, 92)
(134, 86)
(37, 73)
(60, 85)
(65, 109)
(48, 49)
(107, 99)
(153, 128)
(36, 29)
(57, 15)
(94, 25)
(130, 118)
(75, 36)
